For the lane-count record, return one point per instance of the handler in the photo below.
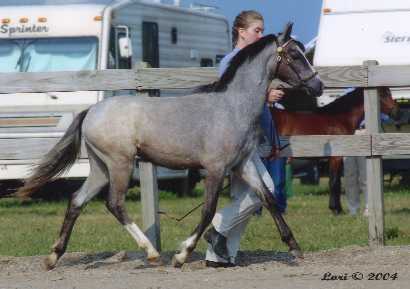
(230, 222)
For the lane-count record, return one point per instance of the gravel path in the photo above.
(127, 270)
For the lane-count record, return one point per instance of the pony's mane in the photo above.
(344, 103)
(244, 54)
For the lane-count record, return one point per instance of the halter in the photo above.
(283, 55)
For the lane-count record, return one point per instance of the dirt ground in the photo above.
(127, 270)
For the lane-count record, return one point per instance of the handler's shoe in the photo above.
(217, 242)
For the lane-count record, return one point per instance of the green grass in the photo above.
(31, 229)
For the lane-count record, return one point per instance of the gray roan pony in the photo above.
(216, 129)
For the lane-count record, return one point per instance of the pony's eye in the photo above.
(293, 53)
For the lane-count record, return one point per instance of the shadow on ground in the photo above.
(137, 260)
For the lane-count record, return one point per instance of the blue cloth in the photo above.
(276, 167)
(277, 170)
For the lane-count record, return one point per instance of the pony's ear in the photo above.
(285, 35)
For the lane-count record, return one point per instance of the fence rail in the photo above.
(373, 146)
(14, 148)
(181, 78)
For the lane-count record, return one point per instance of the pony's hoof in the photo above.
(155, 261)
(176, 263)
(337, 212)
(297, 253)
(51, 261)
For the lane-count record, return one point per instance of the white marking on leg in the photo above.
(142, 240)
(51, 261)
(188, 243)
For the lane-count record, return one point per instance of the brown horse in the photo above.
(341, 117)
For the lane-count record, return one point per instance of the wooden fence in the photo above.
(374, 145)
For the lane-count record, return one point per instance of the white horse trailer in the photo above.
(97, 34)
(353, 31)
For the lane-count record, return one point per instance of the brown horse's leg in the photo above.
(119, 180)
(213, 183)
(335, 175)
(91, 187)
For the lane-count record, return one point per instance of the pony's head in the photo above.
(387, 104)
(292, 66)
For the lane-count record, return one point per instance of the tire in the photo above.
(182, 187)
(312, 176)
(9, 187)
(59, 189)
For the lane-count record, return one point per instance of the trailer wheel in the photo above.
(59, 189)
(184, 186)
(9, 187)
(312, 176)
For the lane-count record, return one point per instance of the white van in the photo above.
(91, 35)
(353, 31)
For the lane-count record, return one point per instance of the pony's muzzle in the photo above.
(314, 86)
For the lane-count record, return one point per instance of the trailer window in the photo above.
(150, 48)
(207, 62)
(174, 35)
(48, 54)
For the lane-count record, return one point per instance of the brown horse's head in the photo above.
(387, 104)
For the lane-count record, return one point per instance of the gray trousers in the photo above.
(355, 182)
(231, 221)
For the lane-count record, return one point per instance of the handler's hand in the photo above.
(274, 95)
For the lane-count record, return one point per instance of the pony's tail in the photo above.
(57, 161)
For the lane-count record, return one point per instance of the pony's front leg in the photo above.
(213, 182)
(255, 174)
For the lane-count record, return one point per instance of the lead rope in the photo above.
(162, 212)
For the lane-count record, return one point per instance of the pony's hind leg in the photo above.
(213, 183)
(119, 181)
(91, 187)
(255, 174)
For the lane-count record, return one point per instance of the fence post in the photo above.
(374, 168)
(149, 203)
